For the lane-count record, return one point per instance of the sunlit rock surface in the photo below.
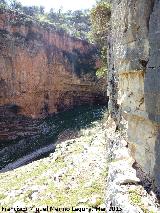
(44, 71)
(134, 78)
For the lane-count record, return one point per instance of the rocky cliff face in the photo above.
(44, 71)
(134, 78)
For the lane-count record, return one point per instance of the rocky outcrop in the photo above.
(42, 70)
(134, 78)
(125, 191)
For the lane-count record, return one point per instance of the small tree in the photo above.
(100, 16)
(41, 10)
(3, 4)
(15, 5)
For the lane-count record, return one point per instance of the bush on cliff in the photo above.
(99, 17)
(75, 23)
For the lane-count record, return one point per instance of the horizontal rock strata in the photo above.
(135, 61)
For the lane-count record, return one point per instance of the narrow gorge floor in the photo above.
(73, 176)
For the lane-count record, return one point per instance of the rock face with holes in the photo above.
(134, 78)
(42, 70)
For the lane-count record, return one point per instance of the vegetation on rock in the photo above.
(91, 26)
(75, 23)
(99, 17)
(73, 176)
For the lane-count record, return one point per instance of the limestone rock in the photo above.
(134, 78)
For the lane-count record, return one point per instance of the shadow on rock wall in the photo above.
(152, 85)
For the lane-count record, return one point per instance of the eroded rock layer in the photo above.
(43, 71)
(135, 79)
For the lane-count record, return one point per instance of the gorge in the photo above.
(106, 153)
(43, 71)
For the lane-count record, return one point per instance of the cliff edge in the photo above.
(134, 79)
(42, 70)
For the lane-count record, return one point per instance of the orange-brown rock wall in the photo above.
(41, 70)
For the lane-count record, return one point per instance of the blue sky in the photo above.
(65, 4)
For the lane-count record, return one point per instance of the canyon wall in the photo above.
(43, 71)
(134, 78)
